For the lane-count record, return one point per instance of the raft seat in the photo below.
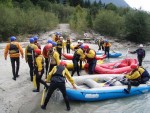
(91, 83)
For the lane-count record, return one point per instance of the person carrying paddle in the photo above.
(90, 56)
(29, 56)
(78, 56)
(57, 78)
(53, 58)
(39, 69)
(107, 46)
(133, 78)
(46, 48)
(140, 54)
(14, 49)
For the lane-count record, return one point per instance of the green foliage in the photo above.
(108, 23)
(111, 6)
(15, 21)
(136, 26)
(78, 20)
(8, 3)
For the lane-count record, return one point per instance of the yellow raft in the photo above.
(69, 63)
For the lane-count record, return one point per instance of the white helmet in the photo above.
(141, 45)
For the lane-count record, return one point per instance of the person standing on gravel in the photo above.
(140, 54)
(107, 46)
(60, 46)
(78, 56)
(29, 56)
(14, 49)
(39, 69)
(68, 43)
(100, 44)
(53, 58)
(57, 76)
(90, 56)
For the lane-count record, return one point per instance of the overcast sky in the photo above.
(144, 4)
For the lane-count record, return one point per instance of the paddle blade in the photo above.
(34, 81)
(43, 96)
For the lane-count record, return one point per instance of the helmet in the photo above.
(54, 43)
(61, 37)
(86, 47)
(106, 40)
(141, 45)
(37, 51)
(134, 66)
(35, 38)
(49, 41)
(48, 46)
(31, 40)
(57, 33)
(63, 63)
(82, 46)
(12, 38)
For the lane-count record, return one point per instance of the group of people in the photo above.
(49, 59)
(37, 59)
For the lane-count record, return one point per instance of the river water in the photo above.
(26, 104)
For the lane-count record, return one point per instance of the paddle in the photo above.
(127, 52)
(43, 94)
(34, 76)
(107, 82)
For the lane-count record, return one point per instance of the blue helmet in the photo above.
(12, 38)
(31, 40)
(35, 38)
(106, 40)
(57, 33)
(82, 46)
(54, 44)
(49, 41)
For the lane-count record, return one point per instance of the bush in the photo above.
(108, 23)
(15, 21)
(78, 20)
(137, 26)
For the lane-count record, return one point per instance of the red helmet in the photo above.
(134, 66)
(63, 63)
(86, 47)
(48, 46)
(37, 51)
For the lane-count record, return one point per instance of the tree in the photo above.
(136, 24)
(7, 3)
(108, 23)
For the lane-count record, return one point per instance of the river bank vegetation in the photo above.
(20, 17)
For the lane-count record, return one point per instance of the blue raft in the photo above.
(97, 93)
(111, 54)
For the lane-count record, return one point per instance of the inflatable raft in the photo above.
(69, 63)
(88, 89)
(70, 56)
(119, 67)
(111, 54)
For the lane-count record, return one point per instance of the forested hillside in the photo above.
(19, 17)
